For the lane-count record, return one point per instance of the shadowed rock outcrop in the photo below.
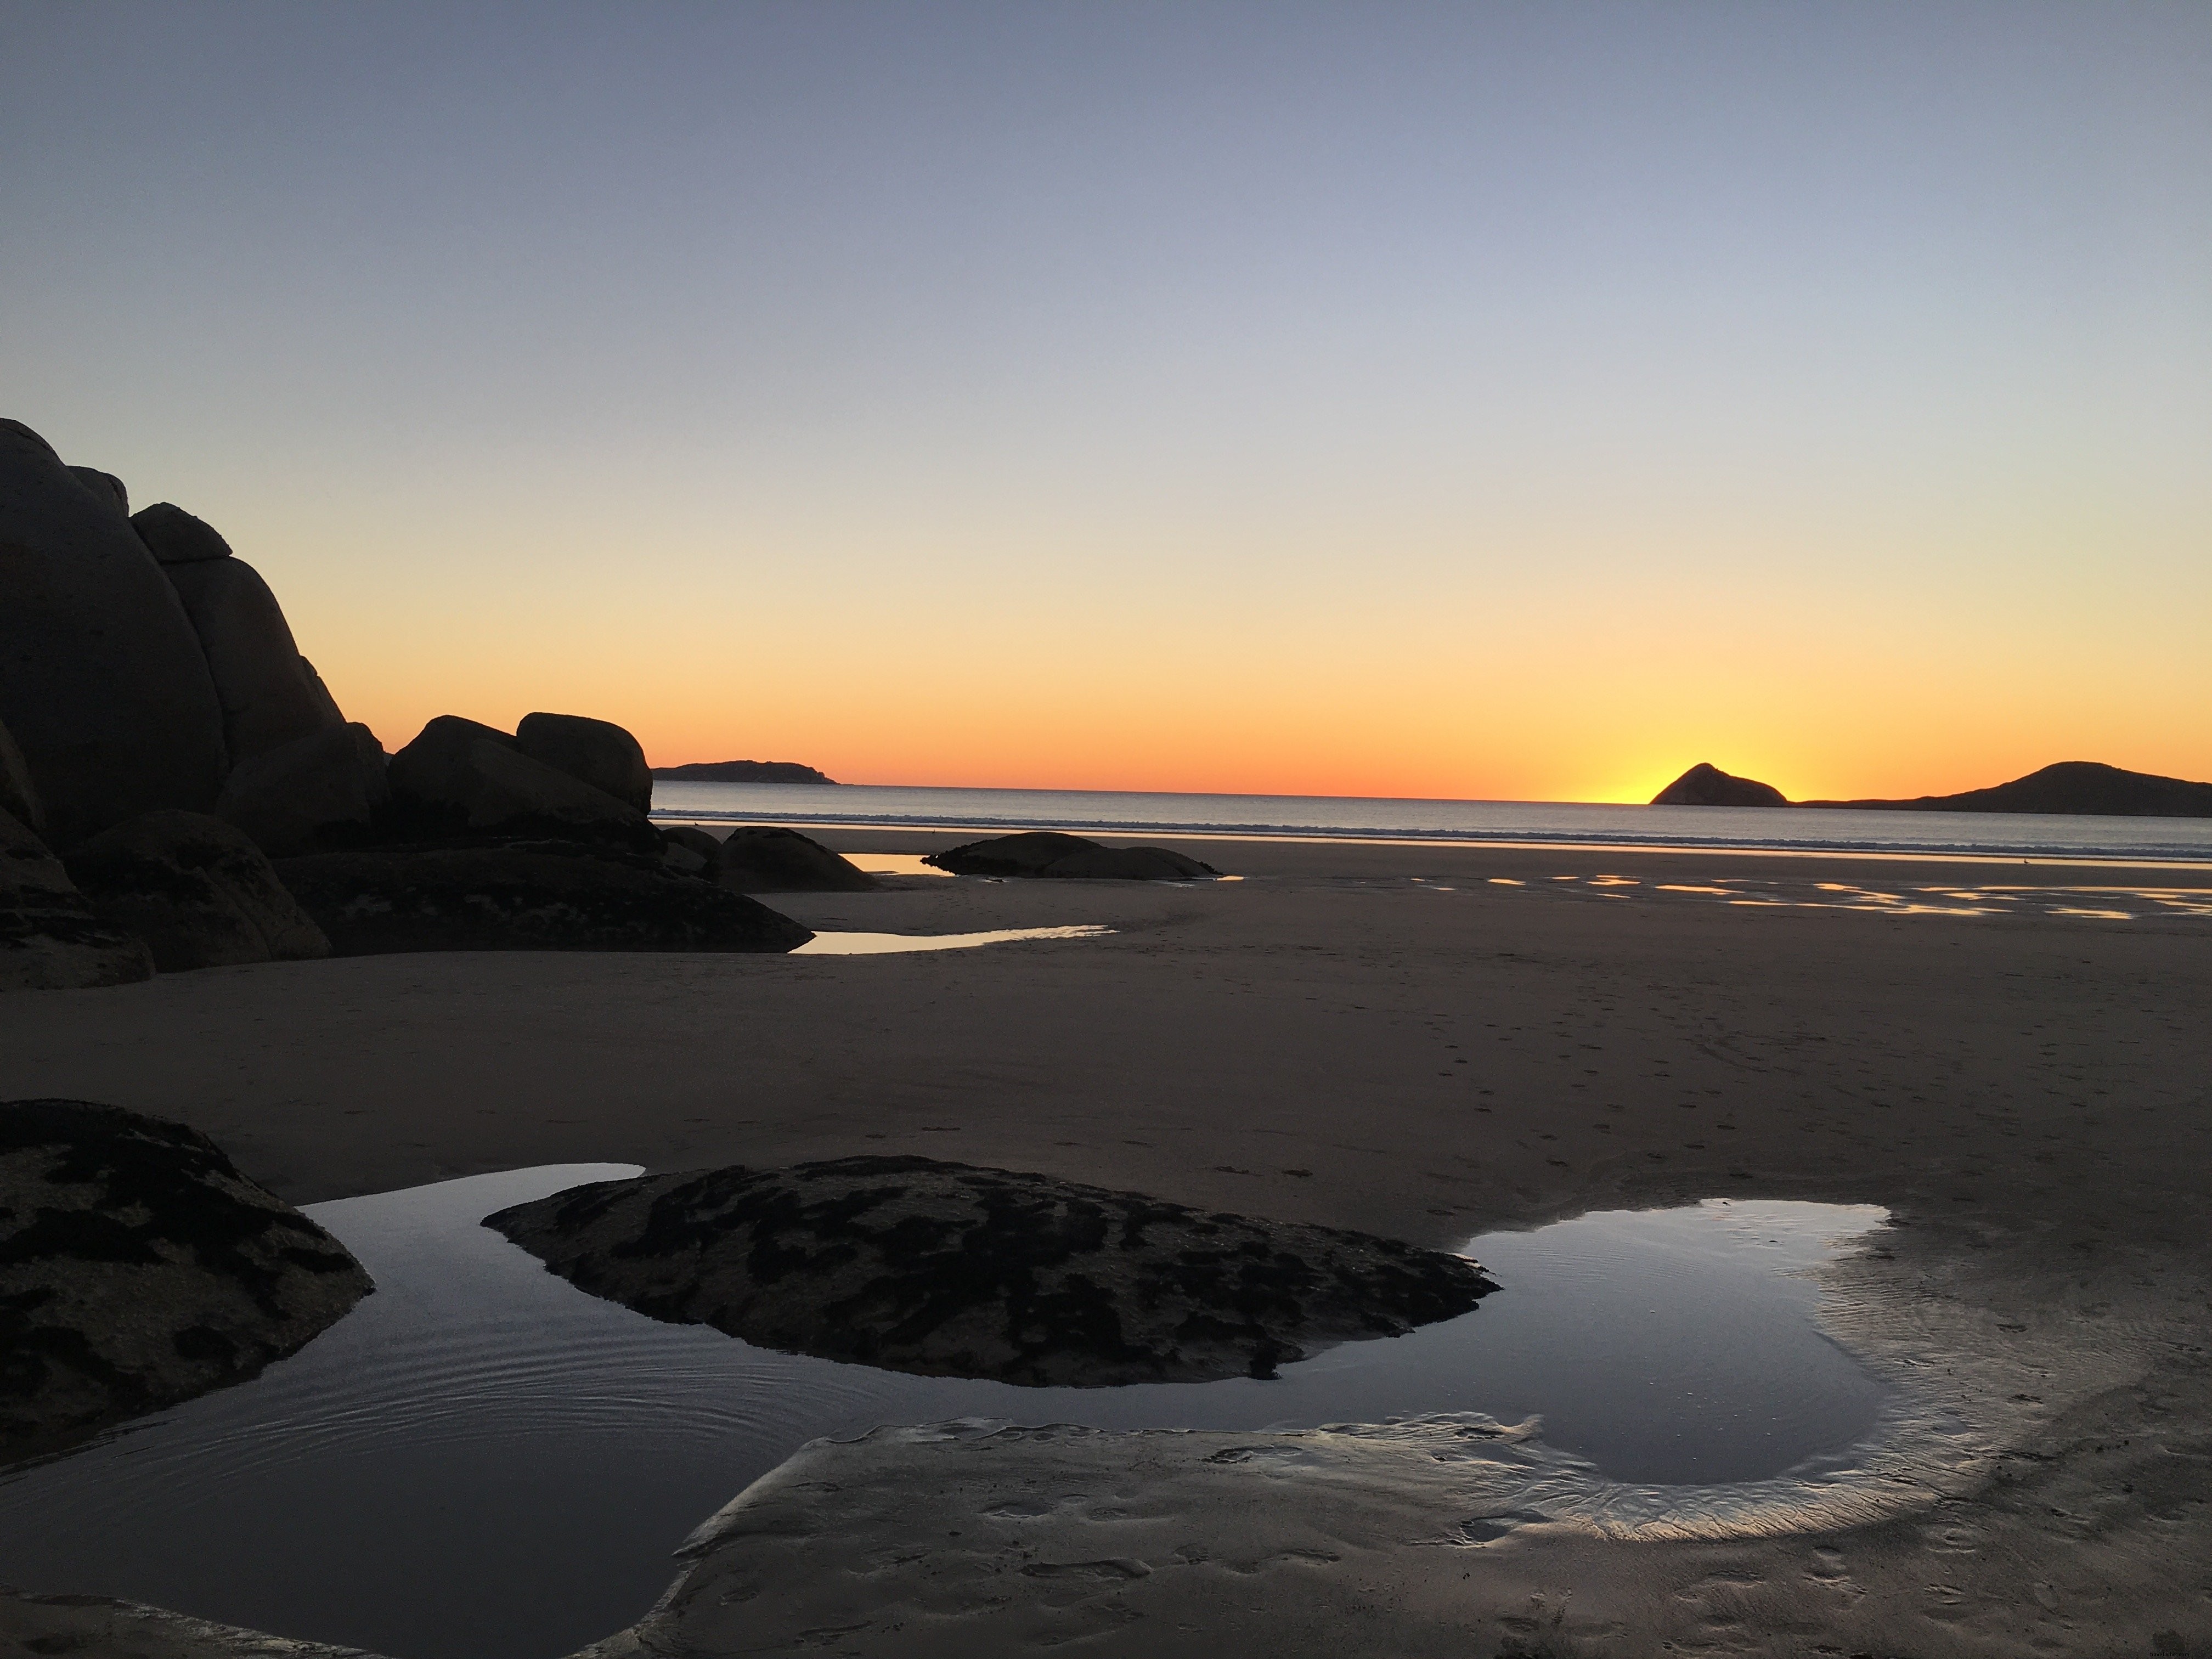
(320, 792)
(268, 694)
(459, 777)
(50, 940)
(197, 890)
(105, 485)
(19, 796)
(174, 536)
(596, 752)
(946, 1270)
(687, 848)
(138, 1267)
(1054, 856)
(769, 859)
(1706, 785)
(102, 681)
(529, 896)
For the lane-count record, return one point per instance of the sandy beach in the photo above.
(1394, 1039)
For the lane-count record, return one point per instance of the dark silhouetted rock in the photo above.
(946, 1270)
(768, 859)
(197, 890)
(106, 485)
(269, 696)
(312, 794)
(459, 777)
(19, 796)
(102, 681)
(597, 752)
(708, 847)
(138, 1267)
(50, 940)
(741, 772)
(175, 537)
(2089, 788)
(1706, 785)
(1048, 853)
(534, 895)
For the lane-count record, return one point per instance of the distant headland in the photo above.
(2088, 788)
(742, 772)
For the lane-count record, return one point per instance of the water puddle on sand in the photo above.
(481, 1461)
(2095, 904)
(878, 945)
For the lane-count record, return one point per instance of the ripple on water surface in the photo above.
(481, 1461)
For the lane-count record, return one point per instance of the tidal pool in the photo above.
(481, 1461)
(878, 944)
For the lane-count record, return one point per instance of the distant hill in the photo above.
(2087, 787)
(742, 772)
(1706, 785)
(2084, 787)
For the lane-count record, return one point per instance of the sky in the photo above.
(1477, 401)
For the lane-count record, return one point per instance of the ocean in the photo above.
(1566, 823)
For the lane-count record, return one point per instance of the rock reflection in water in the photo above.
(481, 1461)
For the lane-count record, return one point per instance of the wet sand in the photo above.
(1332, 1040)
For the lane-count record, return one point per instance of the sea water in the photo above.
(1789, 829)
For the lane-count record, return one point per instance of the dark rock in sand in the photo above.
(312, 794)
(1706, 785)
(707, 848)
(138, 1267)
(1048, 853)
(460, 778)
(2087, 787)
(197, 890)
(269, 696)
(529, 896)
(174, 536)
(768, 859)
(597, 752)
(19, 796)
(102, 681)
(946, 1270)
(742, 771)
(105, 485)
(50, 940)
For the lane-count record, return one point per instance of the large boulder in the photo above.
(947, 1270)
(1706, 785)
(531, 895)
(50, 940)
(689, 847)
(138, 1267)
(197, 890)
(174, 536)
(106, 485)
(1048, 853)
(325, 790)
(269, 696)
(102, 680)
(19, 796)
(768, 859)
(460, 778)
(597, 752)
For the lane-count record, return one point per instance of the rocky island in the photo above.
(2086, 788)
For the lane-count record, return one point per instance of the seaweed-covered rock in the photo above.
(1051, 855)
(769, 859)
(597, 752)
(197, 890)
(527, 896)
(50, 940)
(947, 1270)
(322, 791)
(102, 682)
(138, 1267)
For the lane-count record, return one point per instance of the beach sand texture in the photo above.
(1333, 1041)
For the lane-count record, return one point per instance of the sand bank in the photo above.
(1332, 1040)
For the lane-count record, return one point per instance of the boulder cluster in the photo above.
(180, 789)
